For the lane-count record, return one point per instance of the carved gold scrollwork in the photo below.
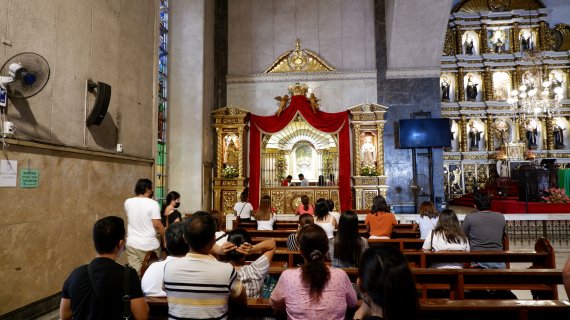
(448, 45)
(463, 125)
(356, 136)
(550, 133)
(229, 199)
(368, 198)
(299, 60)
(277, 200)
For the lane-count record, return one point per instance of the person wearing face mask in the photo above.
(169, 214)
(143, 218)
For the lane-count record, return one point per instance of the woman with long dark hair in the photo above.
(348, 244)
(324, 219)
(386, 285)
(305, 206)
(380, 221)
(169, 213)
(314, 291)
(447, 235)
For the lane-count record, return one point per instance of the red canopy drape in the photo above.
(323, 121)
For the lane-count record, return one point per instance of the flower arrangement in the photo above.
(230, 172)
(556, 195)
(368, 171)
(281, 164)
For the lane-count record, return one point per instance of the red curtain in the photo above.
(323, 121)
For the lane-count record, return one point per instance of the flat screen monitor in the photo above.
(425, 133)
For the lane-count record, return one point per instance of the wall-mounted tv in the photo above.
(425, 133)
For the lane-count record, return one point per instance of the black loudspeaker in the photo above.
(103, 93)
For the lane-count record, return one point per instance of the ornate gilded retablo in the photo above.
(299, 60)
(499, 5)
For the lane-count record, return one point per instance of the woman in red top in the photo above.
(380, 221)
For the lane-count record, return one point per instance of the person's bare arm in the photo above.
(223, 249)
(65, 309)
(139, 308)
(157, 224)
(566, 277)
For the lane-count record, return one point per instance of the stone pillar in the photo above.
(490, 142)
(549, 133)
(463, 142)
(483, 44)
(460, 85)
(488, 94)
(191, 71)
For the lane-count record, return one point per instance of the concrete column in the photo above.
(191, 71)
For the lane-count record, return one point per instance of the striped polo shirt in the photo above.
(198, 287)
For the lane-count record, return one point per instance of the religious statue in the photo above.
(501, 128)
(474, 138)
(469, 45)
(555, 86)
(282, 103)
(531, 133)
(368, 152)
(444, 90)
(502, 168)
(471, 89)
(232, 155)
(314, 102)
(558, 136)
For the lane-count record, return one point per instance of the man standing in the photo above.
(144, 222)
(304, 181)
(198, 286)
(485, 229)
(96, 290)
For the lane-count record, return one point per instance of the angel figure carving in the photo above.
(314, 102)
(282, 103)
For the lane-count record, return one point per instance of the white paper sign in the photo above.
(8, 173)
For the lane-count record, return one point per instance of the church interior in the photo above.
(213, 97)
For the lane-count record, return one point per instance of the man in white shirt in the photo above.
(304, 181)
(144, 222)
(152, 279)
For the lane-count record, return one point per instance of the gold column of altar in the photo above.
(231, 135)
(368, 153)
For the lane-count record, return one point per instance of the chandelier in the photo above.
(539, 94)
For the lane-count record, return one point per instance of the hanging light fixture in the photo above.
(535, 96)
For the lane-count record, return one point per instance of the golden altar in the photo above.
(287, 199)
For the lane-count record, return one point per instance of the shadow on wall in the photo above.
(25, 115)
(106, 134)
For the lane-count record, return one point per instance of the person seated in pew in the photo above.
(427, 220)
(292, 239)
(221, 235)
(95, 290)
(348, 244)
(324, 219)
(313, 291)
(251, 275)
(333, 213)
(386, 285)
(305, 206)
(265, 214)
(152, 281)
(198, 286)
(447, 235)
(485, 229)
(380, 221)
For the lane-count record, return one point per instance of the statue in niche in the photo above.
(232, 153)
(368, 152)
(501, 88)
(558, 137)
(469, 45)
(555, 86)
(471, 89)
(445, 90)
(282, 103)
(502, 130)
(531, 133)
(499, 46)
(502, 168)
(474, 138)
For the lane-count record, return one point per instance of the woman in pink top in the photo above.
(314, 291)
(305, 207)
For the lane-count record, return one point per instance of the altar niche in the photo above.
(299, 149)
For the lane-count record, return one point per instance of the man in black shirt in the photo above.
(95, 291)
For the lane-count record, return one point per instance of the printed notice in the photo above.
(29, 178)
(8, 173)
